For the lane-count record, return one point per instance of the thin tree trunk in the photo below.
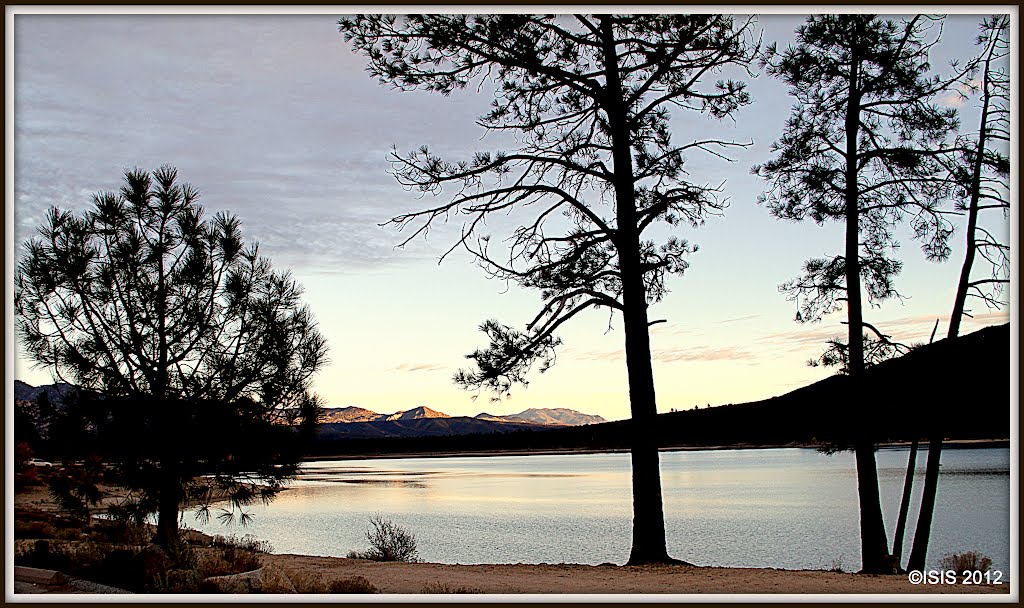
(648, 513)
(901, 520)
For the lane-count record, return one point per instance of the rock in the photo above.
(80, 586)
(38, 576)
(268, 579)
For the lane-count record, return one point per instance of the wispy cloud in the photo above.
(739, 319)
(594, 355)
(908, 330)
(798, 340)
(995, 317)
(702, 354)
(672, 355)
(419, 367)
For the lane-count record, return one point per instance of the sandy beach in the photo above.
(576, 579)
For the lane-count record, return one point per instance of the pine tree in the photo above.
(862, 147)
(163, 317)
(596, 169)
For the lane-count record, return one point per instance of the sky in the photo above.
(273, 118)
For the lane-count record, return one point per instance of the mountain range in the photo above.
(361, 423)
(534, 416)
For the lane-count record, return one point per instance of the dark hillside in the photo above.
(958, 387)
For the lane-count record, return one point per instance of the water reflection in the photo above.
(788, 508)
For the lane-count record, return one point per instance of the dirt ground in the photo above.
(575, 579)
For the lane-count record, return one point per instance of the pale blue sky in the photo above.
(273, 118)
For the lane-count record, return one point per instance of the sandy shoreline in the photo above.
(418, 578)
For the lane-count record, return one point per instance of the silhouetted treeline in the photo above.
(917, 394)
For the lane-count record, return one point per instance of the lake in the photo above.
(783, 508)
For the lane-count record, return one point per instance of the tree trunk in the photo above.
(167, 514)
(648, 514)
(919, 551)
(901, 520)
(874, 544)
(168, 485)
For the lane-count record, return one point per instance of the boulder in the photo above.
(38, 576)
(268, 579)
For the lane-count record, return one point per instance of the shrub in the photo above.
(240, 560)
(75, 489)
(120, 531)
(246, 543)
(356, 584)
(389, 542)
(47, 555)
(102, 563)
(968, 560)
(34, 529)
(176, 580)
(308, 582)
(446, 589)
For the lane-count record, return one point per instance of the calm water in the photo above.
(786, 508)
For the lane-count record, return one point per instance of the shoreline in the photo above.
(951, 444)
(576, 579)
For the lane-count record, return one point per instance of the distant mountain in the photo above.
(416, 414)
(558, 415)
(349, 414)
(56, 392)
(493, 418)
(332, 415)
(531, 417)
